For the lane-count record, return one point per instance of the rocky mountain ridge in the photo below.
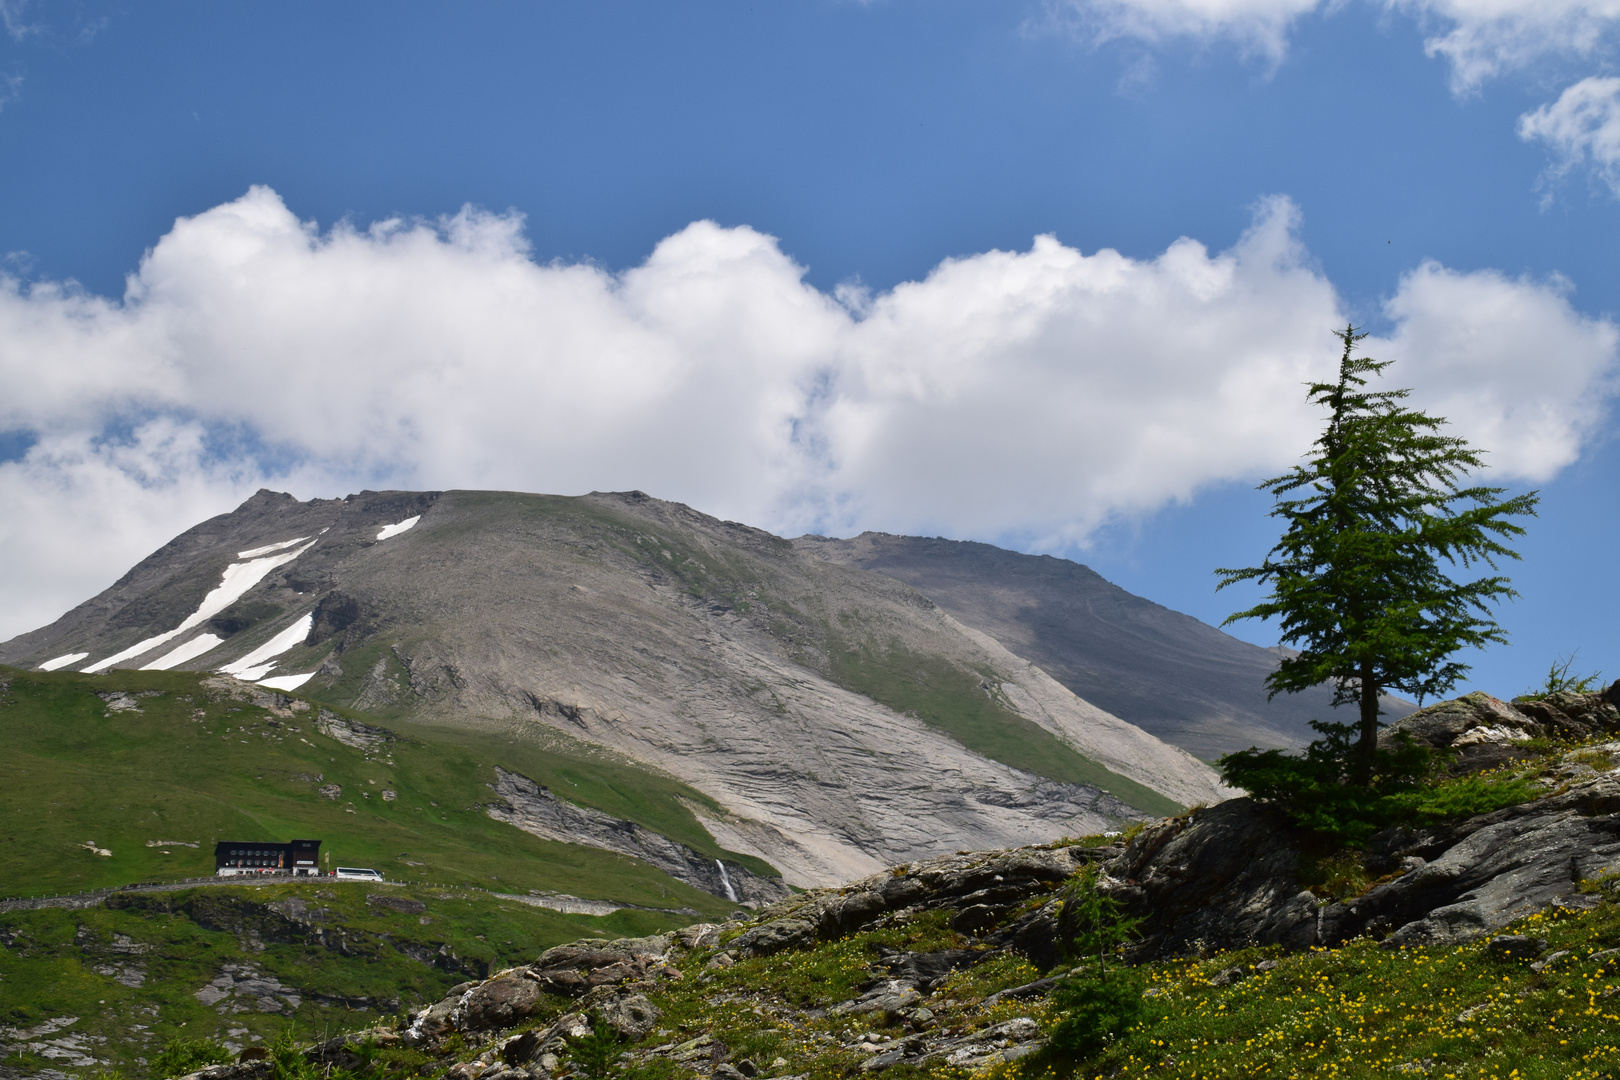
(839, 719)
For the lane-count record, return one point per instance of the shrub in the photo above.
(595, 1054)
(1341, 876)
(1093, 1005)
(1560, 680)
(182, 1056)
(288, 1061)
(1091, 923)
(1315, 790)
(1464, 797)
(1093, 1012)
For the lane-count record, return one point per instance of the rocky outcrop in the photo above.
(504, 1001)
(608, 983)
(534, 809)
(607, 976)
(1480, 731)
(980, 888)
(1231, 875)
(1218, 878)
(1492, 869)
(259, 1069)
(291, 922)
(354, 733)
(574, 970)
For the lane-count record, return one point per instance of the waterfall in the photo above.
(731, 894)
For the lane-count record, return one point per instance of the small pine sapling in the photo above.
(1094, 1005)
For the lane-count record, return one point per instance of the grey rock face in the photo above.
(501, 1002)
(927, 970)
(631, 1016)
(355, 733)
(1223, 876)
(698, 936)
(889, 1000)
(1228, 876)
(1498, 868)
(591, 970)
(1482, 730)
(573, 970)
(992, 880)
(236, 1070)
(536, 810)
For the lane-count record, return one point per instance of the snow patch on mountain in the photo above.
(287, 682)
(189, 651)
(254, 553)
(63, 661)
(236, 581)
(257, 664)
(394, 530)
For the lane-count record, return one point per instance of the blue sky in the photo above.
(805, 361)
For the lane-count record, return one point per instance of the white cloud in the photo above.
(1256, 26)
(81, 510)
(11, 18)
(1581, 128)
(1480, 38)
(11, 83)
(1484, 38)
(1029, 394)
(1507, 360)
(1043, 392)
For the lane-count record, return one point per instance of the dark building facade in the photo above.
(234, 857)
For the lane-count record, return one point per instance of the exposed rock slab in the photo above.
(534, 809)
(968, 881)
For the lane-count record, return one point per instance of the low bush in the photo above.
(1093, 1011)
(1313, 788)
(182, 1056)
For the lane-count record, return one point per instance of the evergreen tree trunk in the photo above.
(1367, 744)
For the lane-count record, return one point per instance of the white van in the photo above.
(356, 873)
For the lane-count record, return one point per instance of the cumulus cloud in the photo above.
(1507, 360)
(1046, 391)
(1480, 38)
(1581, 128)
(1025, 395)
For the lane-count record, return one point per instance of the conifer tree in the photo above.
(1377, 522)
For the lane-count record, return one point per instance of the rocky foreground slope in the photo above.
(946, 966)
(839, 719)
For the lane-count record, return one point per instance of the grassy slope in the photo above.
(48, 966)
(189, 769)
(949, 699)
(1364, 1011)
